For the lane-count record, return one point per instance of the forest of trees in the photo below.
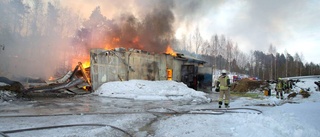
(222, 53)
(36, 32)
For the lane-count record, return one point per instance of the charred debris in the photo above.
(72, 83)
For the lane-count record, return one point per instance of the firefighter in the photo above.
(223, 85)
(289, 84)
(279, 88)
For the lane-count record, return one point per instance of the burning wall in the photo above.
(120, 64)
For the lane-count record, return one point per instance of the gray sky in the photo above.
(292, 25)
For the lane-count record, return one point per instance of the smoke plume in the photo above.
(40, 38)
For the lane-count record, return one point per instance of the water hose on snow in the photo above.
(207, 111)
(3, 133)
(217, 111)
(151, 110)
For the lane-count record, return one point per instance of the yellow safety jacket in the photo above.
(224, 82)
(279, 85)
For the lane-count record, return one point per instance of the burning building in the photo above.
(125, 64)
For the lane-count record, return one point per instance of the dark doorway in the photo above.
(189, 76)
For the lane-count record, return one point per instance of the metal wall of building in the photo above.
(106, 66)
(117, 65)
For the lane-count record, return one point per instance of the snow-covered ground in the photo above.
(125, 105)
(151, 90)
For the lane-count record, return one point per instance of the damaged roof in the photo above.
(190, 59)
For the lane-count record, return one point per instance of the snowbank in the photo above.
(151, 90)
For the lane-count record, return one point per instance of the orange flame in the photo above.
(107, 47)
(84, 60)
(136, 40)
(136, 43)
(51, 78)
(170, 51)
(86, 64)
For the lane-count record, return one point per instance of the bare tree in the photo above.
(17, 12)
(190, 45)
(52, 20)
(216, 46)
(252, 64)
(184, 42)
(222, 49)
(236, 52)
(198, 40)
(297, 61)
(229, 53)
(214, 50)
(272, 52)
(206, 48)
(301, 59)
(286, 67)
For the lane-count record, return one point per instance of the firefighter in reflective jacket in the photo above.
(279, 88)
(223, 85)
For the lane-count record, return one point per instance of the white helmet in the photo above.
(223, 71)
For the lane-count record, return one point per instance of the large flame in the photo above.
(86, 64)
(170, 51)
(84, 60)
(113, 43)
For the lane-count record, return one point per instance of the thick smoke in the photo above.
(39, 38)
(33, 39)
(153, 32)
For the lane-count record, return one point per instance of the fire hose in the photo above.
(167, 111)
(154, 111)
(3, 133)
(208, 111)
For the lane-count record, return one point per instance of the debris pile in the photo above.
(7, 96)
(304, 93)
(78, 79)
(245, 85)
(10, 90)
(14, 86)
(292, 95)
